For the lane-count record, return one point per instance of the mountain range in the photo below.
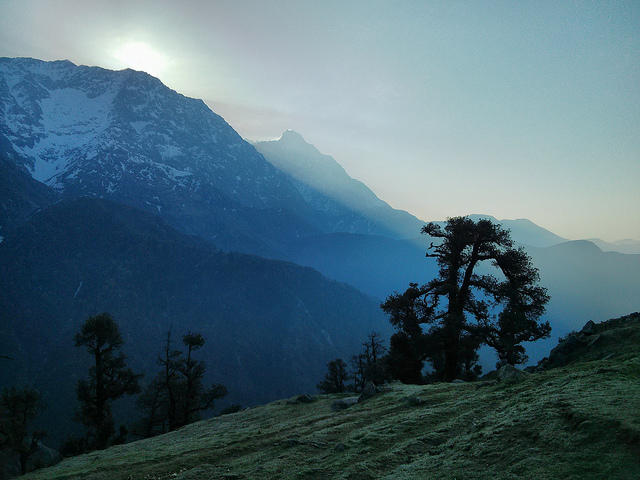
(119, 194)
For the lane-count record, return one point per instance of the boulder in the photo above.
(510, 374)
(413, 400)
(343, 403)
(369, 391)
(595, 339)
(570, 344)
(301, 399)
(589, 328)
(340, 447)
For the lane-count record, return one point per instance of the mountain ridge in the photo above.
(324, 183)
(125, 136)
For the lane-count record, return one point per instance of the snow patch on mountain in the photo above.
(70, 121)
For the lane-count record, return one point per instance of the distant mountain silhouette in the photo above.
(526, 232)
(349, 205)
(622, 246)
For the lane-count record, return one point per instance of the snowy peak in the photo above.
(67, 122)
(123, 135)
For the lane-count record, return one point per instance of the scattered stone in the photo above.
(510, 374)
(340, 447)
(301, 399)
(369, 391)
(589, 328)
(413, 400)
(343, 403)
(486, 384)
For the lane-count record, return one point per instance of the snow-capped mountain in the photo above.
(348, 205)
(125, 136)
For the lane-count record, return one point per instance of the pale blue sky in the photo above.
(514, 109)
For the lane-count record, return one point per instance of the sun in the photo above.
(140, 56)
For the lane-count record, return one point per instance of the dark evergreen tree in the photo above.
(196, 398)
(109, 379)
(408, 346)
(176, 396)
(334, 380)
(524, 304)
(369, 366)
(358, 368)
(18, 407)
(462, 309)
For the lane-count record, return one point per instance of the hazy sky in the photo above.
(510, 108)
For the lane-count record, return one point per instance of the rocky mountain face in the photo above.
(86, 131)
(20, 195)
(347, 204)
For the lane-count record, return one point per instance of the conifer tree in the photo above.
(368, 365)
(109, 379)
(334, 380)
(176, 396)
(18, 407)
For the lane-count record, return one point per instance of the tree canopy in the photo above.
(335, 378)
(18, 407)
(486, 292)
(109, 378)
(177, 396)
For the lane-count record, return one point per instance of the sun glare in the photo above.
(141, 56)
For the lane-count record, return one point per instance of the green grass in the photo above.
(581, 421)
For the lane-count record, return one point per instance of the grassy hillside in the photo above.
(579, 421)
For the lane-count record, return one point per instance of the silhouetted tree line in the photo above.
(175, 397)
(486, 293)
(367, 366)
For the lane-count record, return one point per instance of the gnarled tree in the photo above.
(18, 407)
(486, 292)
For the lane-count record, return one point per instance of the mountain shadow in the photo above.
(270, 326)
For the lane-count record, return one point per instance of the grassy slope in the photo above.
(581, 421)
